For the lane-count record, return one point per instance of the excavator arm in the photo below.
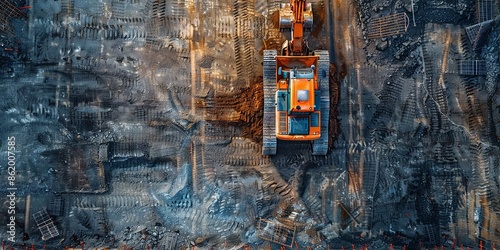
(298, 7)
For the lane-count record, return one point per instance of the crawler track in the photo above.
(320, 146)
(269, 138)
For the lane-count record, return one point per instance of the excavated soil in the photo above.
(247, 110)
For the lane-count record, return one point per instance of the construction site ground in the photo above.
(137, 124)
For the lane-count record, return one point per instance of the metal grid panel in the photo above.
(8, 10)
(477, 33)
(390, 25)
(472, 32)
(472, 67)
(484, 10)
(42, 218)
(45, 225)
(56, 206)
(276, 232)
(48, 231)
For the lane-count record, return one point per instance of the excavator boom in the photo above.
(298, 7)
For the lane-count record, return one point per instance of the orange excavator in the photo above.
(296, 88)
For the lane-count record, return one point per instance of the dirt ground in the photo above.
(138, 123)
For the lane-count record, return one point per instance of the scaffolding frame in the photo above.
(390, 25)
(276, 232)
